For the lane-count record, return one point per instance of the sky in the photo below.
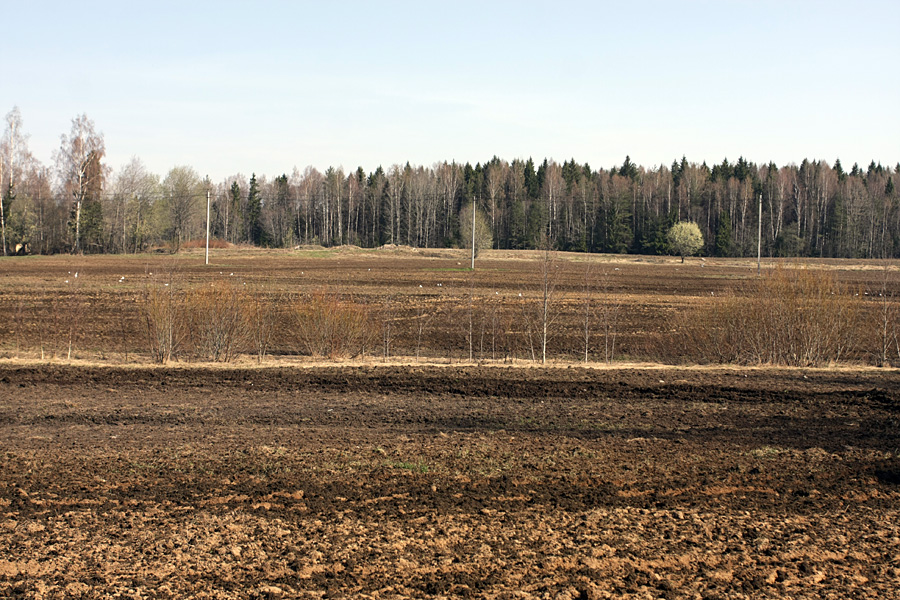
(264, 87)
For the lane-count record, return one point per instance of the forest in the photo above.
(79, 204)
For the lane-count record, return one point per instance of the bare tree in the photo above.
(12, 162)
(182, 193)
(80, 171)
(497, 174)
(134, 190)
(609, 311)
(552, 187)
(482, 233)
(587, 294)
(547, 307)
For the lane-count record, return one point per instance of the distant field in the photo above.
(423, 303)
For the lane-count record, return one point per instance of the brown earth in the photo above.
(302, 479)
(488, 482)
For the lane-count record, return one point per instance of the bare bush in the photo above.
(331, 325)
(796, 317)
(69, 308)
(601, 313)
(218, 319)
(424, 317)
(164, 319)
(540, 316)
(494, 328)
(263, 321)
(387, 317)
(884, 319)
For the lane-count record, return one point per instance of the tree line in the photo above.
(80, 204)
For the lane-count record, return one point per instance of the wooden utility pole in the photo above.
(207, 226)
(759, 241)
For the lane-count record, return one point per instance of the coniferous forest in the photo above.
(809, 209)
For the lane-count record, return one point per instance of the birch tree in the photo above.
(80, 172)
(12, 159)
(135, 189)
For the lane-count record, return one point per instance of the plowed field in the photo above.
(395, 482)
(473, 473)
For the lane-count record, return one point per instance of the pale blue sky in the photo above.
(240, 87)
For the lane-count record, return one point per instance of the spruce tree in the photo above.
(723, 235)
(254, 213)
(532, 185)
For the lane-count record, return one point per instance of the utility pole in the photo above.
(207, 226)
(759, 241)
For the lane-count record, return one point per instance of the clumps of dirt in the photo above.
(451, 482)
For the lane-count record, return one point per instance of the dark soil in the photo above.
(487, 482)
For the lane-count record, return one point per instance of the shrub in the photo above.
(332, 326)
(884, 319)
(793, 317)
(263, 320)
(164, 320)
(218, 316)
